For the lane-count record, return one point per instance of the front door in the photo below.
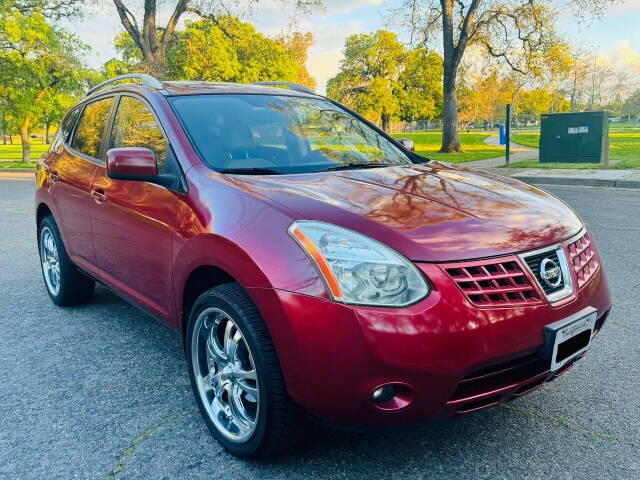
(132, 222)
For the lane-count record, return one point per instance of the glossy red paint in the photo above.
(131, 161)
(144, 241)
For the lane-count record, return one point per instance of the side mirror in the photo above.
(131, 163)
(407, 143)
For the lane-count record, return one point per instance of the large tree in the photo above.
(154, 41)
(516, 32)
(369, 74)
(202, 51)
(381, 79)
(37, 63)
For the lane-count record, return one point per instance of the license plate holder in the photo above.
(570, 337)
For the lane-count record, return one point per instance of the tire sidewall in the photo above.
(49, 223)
(248, 448)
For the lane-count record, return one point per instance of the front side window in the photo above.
(281, 134)
(91, 127)
(135, 126)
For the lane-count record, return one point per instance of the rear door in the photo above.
(133, 221)
(72, 170)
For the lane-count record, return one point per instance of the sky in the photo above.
(616, 34)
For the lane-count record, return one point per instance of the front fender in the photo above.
(245, 235)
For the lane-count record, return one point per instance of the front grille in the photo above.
(534, 263)
(498, 282)
(583, 259)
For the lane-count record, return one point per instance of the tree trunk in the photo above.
(386, 119)
(450, 141)
(26, 141)
(155, 62)
(46, 133)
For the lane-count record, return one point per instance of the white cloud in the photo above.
(624, 54)
(624, 6)
(97, 29)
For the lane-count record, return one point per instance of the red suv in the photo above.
(311, 262)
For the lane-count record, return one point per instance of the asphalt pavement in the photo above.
(101, 390)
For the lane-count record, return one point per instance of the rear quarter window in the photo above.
(91, 127)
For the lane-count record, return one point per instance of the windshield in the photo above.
(275, 134)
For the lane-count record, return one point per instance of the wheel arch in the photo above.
(201, 279)
(207, 261)
(42, 211)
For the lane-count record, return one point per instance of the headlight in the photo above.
(358, 269)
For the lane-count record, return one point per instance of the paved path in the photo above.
(519, 153)
(101, 390)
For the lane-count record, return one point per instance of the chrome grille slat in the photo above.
(584, 259)
(494, 282)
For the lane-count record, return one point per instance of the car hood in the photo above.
(428, 212)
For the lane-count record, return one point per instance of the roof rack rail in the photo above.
(146, 80)
(292, 86)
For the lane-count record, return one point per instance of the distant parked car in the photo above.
(313, 264)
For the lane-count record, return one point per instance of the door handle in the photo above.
(99, 196)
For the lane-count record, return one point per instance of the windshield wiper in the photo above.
(355, 165)
(251, 171)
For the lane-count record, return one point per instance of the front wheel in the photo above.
(236, 376)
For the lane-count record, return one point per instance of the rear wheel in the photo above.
(65, 284)
(236, 376)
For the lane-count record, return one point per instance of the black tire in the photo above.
(278, 421)
(75, 286)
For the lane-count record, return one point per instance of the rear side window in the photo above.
(91, 127)
(66, 128)
(135, 126)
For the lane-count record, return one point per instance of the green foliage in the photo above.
(224, 50)
(421, 94)
(538, 101)
(382, 80)
(205, 52)
(40, 70)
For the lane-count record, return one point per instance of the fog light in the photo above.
(383, 394)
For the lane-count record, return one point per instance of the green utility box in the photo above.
(576, 137)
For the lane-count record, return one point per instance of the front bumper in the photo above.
(455, 357)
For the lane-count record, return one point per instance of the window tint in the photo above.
(135, 126)
(91, 127)
(66, 128)
(285, 134)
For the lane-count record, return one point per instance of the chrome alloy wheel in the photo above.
(225, 375)
(50, 260)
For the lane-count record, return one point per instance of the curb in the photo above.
(585, 182)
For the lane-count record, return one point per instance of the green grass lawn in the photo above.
(14, 152)
(17, 164)
(528, 139)
(625, 150)
(428, 143)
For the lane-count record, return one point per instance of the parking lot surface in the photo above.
(101, 390)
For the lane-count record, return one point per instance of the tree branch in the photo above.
(129, 22)
(465, 30)
(212, 17)
(181, 7)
